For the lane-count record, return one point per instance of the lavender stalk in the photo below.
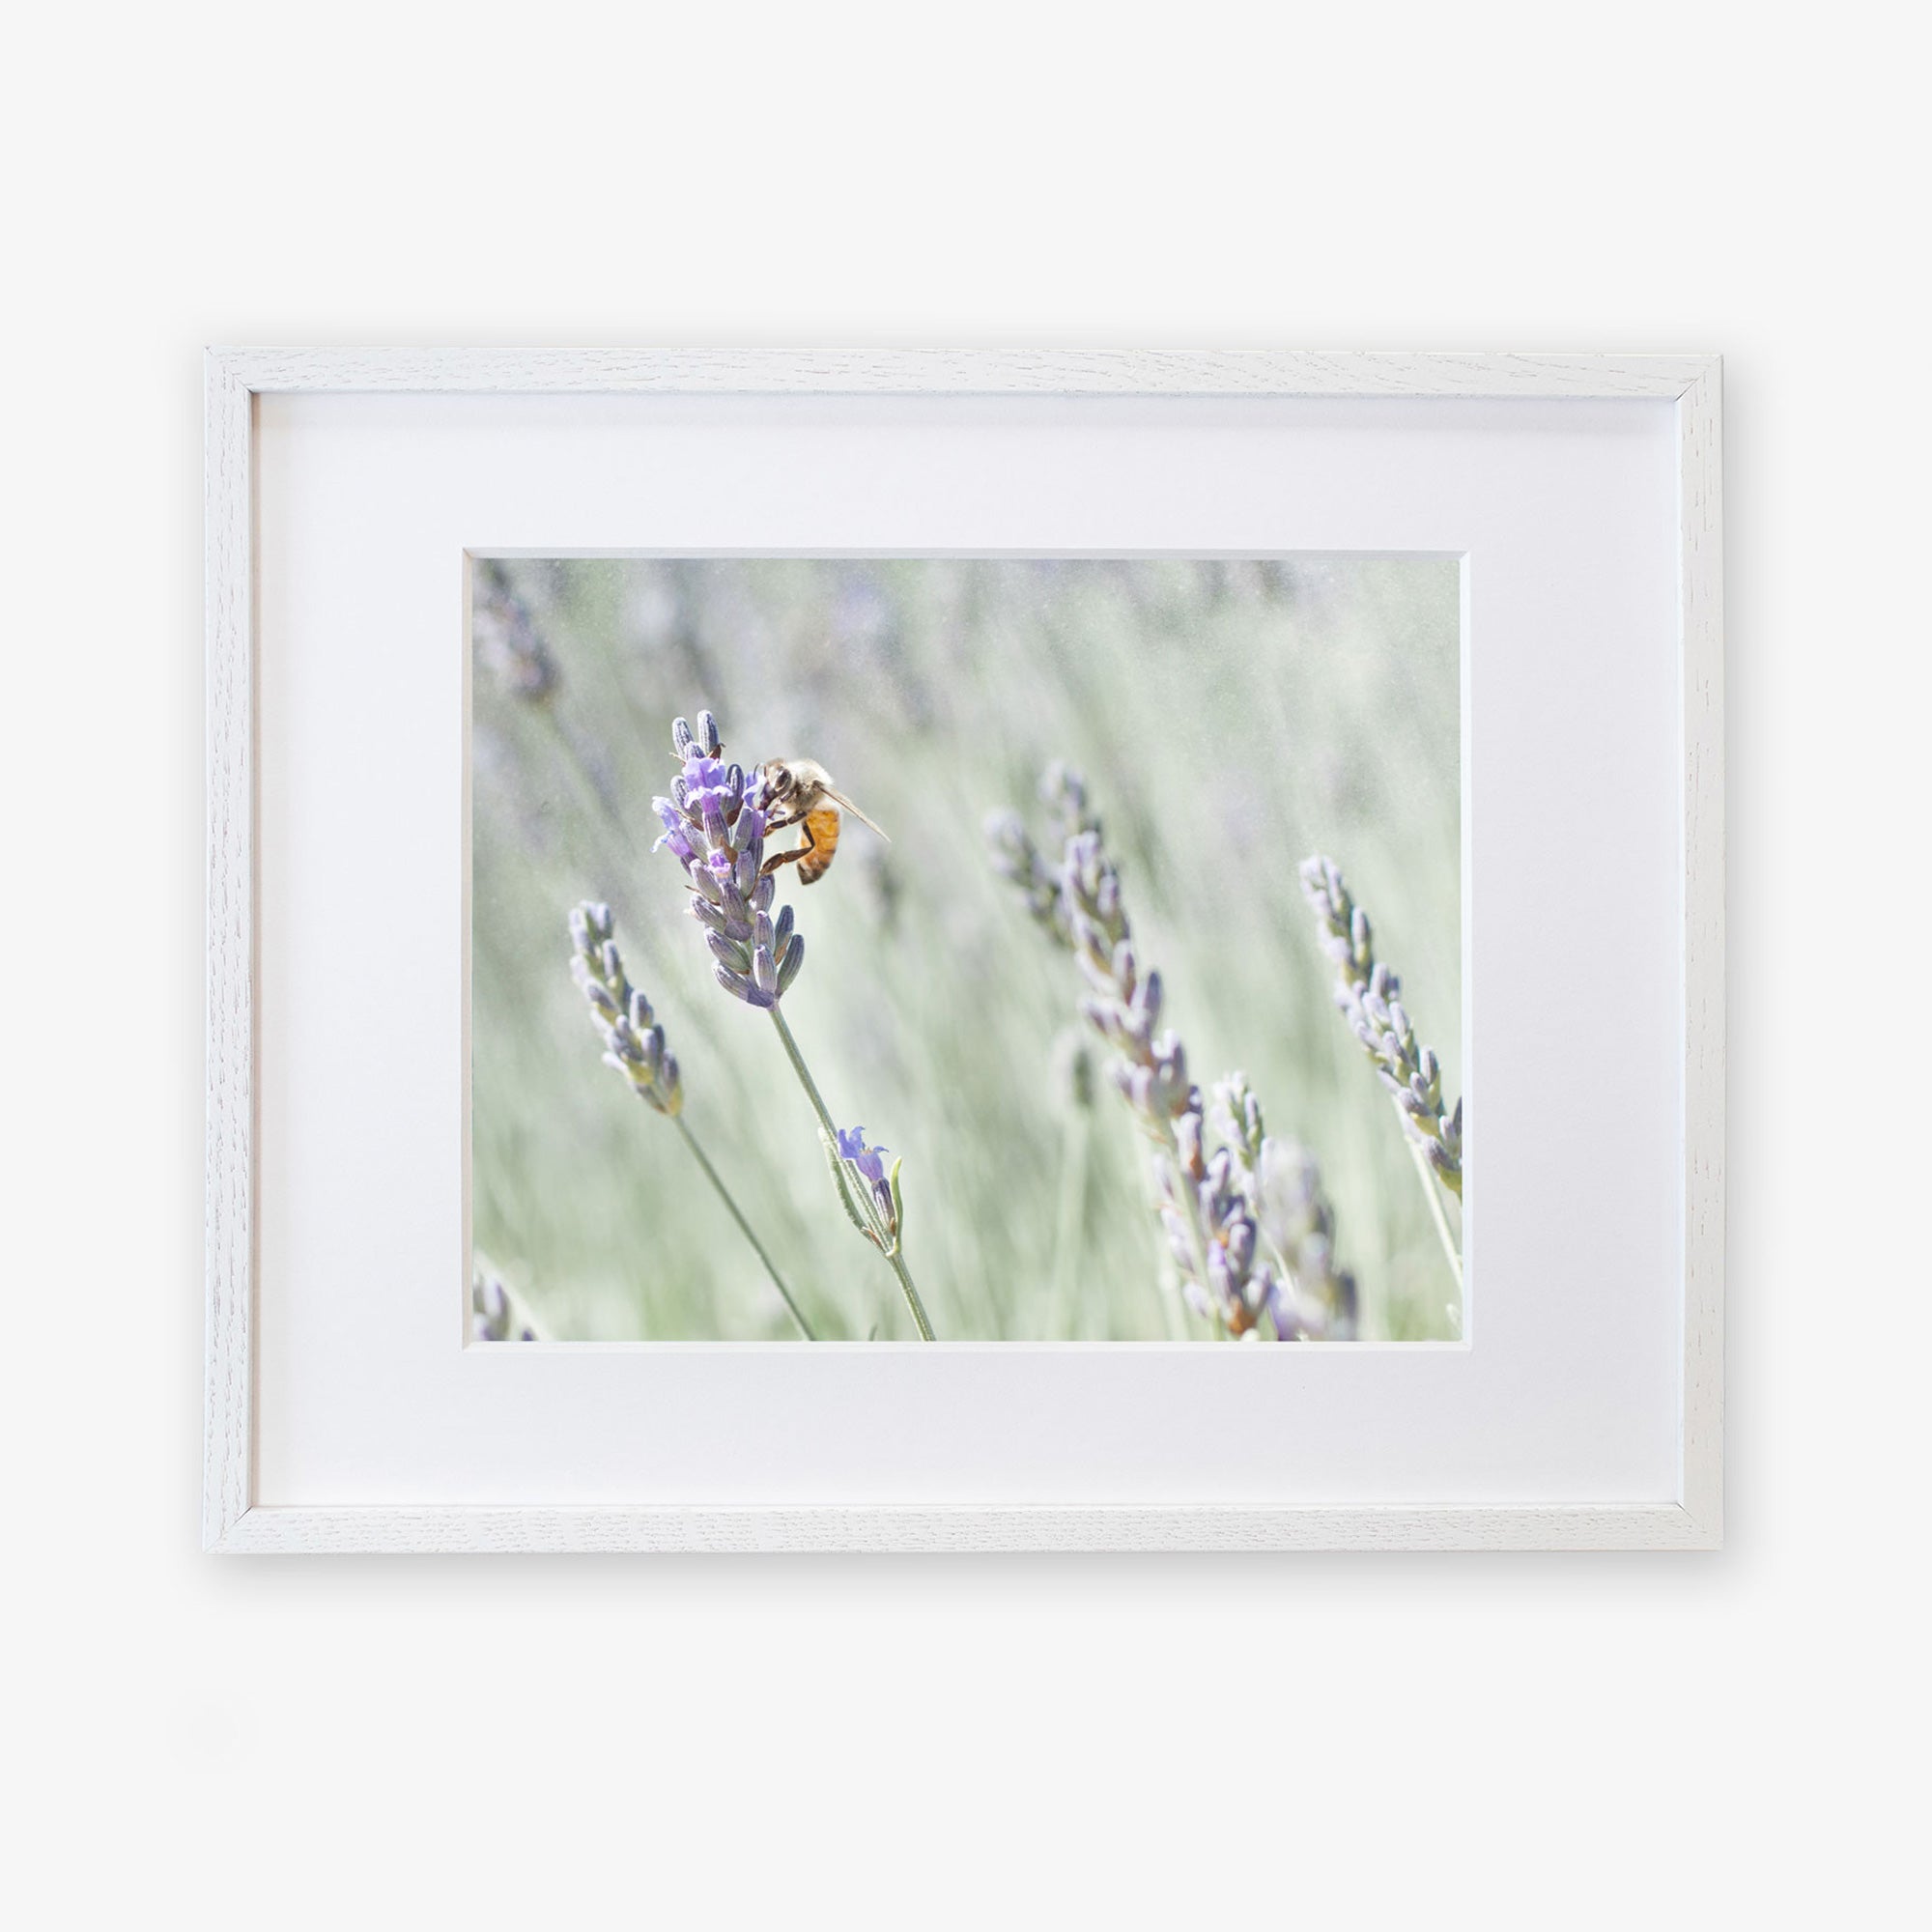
(633, 1045)
(1368, 995)
(1211, 1204)
(715, 822)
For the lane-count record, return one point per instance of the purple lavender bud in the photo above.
(731, 953)
(707, 734)
(1147, 998)
(1241, 1245)
(1177, 1242)
(680, 737)
(791, 959)
(1173, 1058)
(1219, 1282)
(580, 930)
(764, 970)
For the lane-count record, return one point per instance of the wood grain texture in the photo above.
(230, 1018)
(232, 1521)
(1158, 372)
(1701, 535)
(512, 1530)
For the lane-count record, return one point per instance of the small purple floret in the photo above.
(866, 1159)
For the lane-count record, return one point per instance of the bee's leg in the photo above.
(790, 858)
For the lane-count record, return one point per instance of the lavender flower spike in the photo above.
(633, 1044)
(713, 824)
(1369, 997)
(1209, 1203)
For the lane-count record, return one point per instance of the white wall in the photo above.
(1569, 1741)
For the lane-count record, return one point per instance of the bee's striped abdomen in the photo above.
(821, 828)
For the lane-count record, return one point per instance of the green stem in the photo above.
(804, 1073)
(1070, 1213)
(712, 1174)
(825, 1121)
(917, 1307)
(1427, 1174)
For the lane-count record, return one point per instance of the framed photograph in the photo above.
(951, 951)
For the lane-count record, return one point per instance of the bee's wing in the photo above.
(844, 804)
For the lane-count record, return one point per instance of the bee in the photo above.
(800, 792)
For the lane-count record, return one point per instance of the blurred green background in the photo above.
(1231, 718)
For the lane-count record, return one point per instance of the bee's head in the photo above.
(779, 784)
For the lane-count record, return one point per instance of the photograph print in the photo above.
(942, 948)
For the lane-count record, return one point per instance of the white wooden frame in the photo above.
(232, 1519)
